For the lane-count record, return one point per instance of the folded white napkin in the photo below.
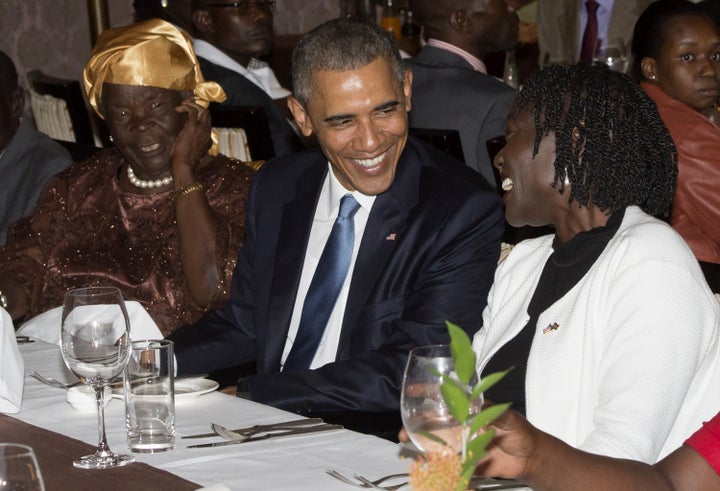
(11, 367)
(46, 326)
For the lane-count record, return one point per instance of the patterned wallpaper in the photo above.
(54, 35)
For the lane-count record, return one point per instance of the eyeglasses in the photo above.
(246, 7)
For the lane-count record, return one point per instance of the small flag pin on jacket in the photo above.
(390, 237)
(551, 327)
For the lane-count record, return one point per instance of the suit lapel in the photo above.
(295, 223)
(386, 223)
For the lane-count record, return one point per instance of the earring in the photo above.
(164, 3)
(566, 180)
(112, 139)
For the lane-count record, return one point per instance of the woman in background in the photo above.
(676, 50)
(158, 215)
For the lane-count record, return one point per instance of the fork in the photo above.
(52, 382)
(366, 483)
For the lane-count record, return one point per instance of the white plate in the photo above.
(194, 387)
(185, 389)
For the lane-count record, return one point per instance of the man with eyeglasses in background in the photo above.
(230, 38)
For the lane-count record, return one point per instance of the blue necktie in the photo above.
(325, 287)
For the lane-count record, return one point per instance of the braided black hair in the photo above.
(610, 140)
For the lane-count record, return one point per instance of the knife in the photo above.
(119, 383)
(267, 436)
(262, 428)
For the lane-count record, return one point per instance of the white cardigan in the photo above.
(627, 363)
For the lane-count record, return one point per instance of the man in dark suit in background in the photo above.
(451, 87)
(426, 241)
(228, 41)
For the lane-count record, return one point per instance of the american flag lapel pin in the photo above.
(551, 327)
(390, 237)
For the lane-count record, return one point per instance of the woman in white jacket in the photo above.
(609, 322)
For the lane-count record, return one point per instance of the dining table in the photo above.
(59, 434)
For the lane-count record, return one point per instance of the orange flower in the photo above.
(437, 470)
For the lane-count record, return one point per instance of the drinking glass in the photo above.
(95, 342)
(19, 469)
(422, 406)
(613, 54)
(150, 396)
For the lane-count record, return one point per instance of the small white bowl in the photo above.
(82, 398)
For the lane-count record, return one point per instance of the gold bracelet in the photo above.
(179, 193)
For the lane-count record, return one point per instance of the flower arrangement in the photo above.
(441, 468)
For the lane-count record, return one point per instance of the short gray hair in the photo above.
(339, 45)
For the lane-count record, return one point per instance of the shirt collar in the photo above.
(475, 62)
(337, 191)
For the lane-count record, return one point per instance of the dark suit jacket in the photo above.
(242, 92)
(448, 94)
(428, 254)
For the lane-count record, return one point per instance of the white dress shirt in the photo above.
(258, 72)
(326, 212)
(603, 13)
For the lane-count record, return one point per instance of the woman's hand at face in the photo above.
(193, 141)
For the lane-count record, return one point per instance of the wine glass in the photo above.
(96, 348)
(423, 409)
(19, 469)
(613, 54)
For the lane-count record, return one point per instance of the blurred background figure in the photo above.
(571, 30)
(451, 87)
(676, 48)
(156, 215)
(231, 37)
(28, 158)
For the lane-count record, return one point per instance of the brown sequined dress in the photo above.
(86, 231)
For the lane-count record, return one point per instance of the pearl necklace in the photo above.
(147, 184)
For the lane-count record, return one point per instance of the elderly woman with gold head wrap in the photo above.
(159, 215)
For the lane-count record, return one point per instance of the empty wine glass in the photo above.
(613, 54)
(19, 469)
(96, 347)
(423, 409)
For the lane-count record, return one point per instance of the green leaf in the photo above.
(433, 437)
(456, 399)
(476, 449)
(464, 480)
(462, 352)
(487, 416)
(487, 382)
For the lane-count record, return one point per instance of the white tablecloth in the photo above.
(292, 463)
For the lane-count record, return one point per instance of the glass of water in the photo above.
(150, 396)
(19, 470)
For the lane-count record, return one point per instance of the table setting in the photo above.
(178, 433)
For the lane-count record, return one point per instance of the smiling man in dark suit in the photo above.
(424, 241)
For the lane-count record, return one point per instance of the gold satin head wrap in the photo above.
(152, 53)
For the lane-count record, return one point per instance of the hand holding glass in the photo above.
(96, 348)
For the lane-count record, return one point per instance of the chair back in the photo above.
(243, 131)
(446, 140)
(59, 109)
